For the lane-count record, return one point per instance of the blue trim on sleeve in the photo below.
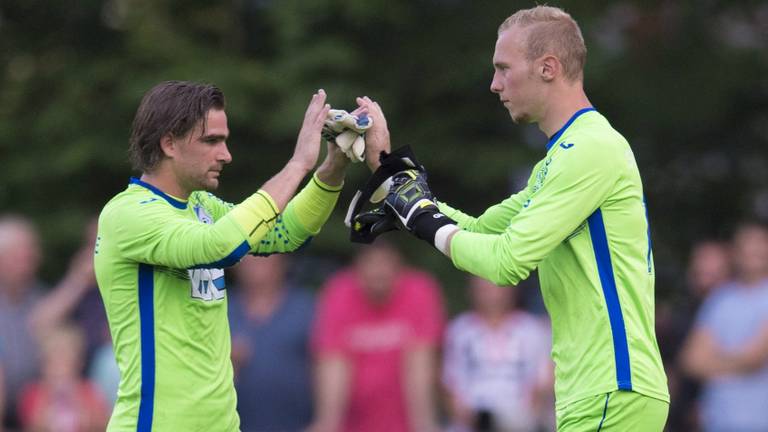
(608, 282)
(559, 133)
(650, 244)
(147, 323)
(181, 205)
(605, 411)
(230, 260)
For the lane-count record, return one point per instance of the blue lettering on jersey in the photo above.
(566, 146)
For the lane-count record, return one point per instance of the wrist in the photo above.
(427, 225)
(298, 166)
(331, 173)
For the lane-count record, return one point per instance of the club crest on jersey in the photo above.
(203, 215)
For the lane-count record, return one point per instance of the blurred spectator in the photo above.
(497, 371)
(20, 291)
(2, 391)
(270, 324)
(709, 266)
(77, 298)
(728, 346)
(104, 373)
(375, 343)
(62, 401)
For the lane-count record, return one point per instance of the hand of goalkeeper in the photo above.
(371, 224)
(412, 203)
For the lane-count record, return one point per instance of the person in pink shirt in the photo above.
(375, 342)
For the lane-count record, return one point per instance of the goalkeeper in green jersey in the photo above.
(162, 244)
(581, 221)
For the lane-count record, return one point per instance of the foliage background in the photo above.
(684, 81)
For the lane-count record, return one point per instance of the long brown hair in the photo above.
(171, 107)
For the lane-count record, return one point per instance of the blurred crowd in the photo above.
(373, 348)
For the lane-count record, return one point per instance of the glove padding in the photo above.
(348, 132)
(408, 197)
(373, 223)
(365, 226)
(411, 202)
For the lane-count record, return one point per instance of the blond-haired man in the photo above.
(581, 221)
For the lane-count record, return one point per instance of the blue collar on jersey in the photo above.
(171, 200)
(559, 133)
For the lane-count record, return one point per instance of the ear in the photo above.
(168, 145)
(549, 68)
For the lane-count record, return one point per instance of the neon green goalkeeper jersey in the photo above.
(158, 263)
(581, 220)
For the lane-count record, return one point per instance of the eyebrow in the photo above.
(211, 137)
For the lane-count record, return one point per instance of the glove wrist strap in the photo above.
(426, 225)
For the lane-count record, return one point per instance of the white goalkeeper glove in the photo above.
(348, 132)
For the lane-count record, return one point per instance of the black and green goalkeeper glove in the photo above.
(412, 204)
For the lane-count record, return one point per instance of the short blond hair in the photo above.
(552, 31)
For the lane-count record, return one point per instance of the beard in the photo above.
(206, 181)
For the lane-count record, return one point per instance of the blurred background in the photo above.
(683, 81)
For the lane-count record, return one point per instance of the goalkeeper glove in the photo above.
(347, 131)
(412, 204)
(371, 224)
(366, 226)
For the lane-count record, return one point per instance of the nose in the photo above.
(224, 155)
(496, 83)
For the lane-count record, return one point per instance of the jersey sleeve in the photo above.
(494, 220)
(302, 219)
(154, 233)
(571, 184)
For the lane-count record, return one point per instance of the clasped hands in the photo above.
(407, 203)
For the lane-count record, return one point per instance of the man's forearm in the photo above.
(443, 244)
(282, 187)
(332, 173)
(703, 358)
(751, 357)
(419, 388)
(331, 392)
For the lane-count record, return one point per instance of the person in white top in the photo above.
(497, 372)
